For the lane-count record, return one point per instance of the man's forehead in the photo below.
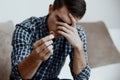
(67, 19)
(64, 15)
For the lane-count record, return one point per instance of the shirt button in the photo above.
(46, 68)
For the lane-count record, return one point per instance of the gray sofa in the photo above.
(101, 50)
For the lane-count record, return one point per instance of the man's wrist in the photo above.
(78, 49)
(35, 57)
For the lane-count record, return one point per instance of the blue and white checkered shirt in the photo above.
(33, 29)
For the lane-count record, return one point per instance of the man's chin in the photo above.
(58, 36)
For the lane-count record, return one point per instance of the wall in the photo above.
(106, 10)
(18, 10)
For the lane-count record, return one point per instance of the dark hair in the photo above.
(76, 7)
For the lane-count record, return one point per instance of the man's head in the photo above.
(76, 7)
(60, 10)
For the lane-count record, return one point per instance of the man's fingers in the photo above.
(50, 48)
(46, 44)
(43, 40)
(72, 20)
(64, 25)
(61, 28)
(47, 38)
(46, 53)
(43, 46)
(63, 33)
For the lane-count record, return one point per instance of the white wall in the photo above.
(106, 10)
(18, 10)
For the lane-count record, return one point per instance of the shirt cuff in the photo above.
(84, 75)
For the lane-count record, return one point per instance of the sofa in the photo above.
(101, 50)
(6, 30)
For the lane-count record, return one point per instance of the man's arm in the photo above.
(41, 52)
(29, 66)
(79, 65)
(79, 61)
(24, 61)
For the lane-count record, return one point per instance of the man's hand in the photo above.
(43, 47)
(70, 32)
(42, 51)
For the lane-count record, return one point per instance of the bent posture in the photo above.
(41, 45)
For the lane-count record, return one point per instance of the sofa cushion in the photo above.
(101, 50)
(6, 30)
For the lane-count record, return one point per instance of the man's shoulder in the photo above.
(81, 31)
(31, 23)
(80, 28)
(31, 20)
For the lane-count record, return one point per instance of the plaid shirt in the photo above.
(33, 29)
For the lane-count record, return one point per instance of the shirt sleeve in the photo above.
(21, 49)
(85, 74)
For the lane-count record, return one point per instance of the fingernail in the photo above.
(52, 36)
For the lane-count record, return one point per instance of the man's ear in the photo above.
(50, 8)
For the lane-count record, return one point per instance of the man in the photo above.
(41, 45)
